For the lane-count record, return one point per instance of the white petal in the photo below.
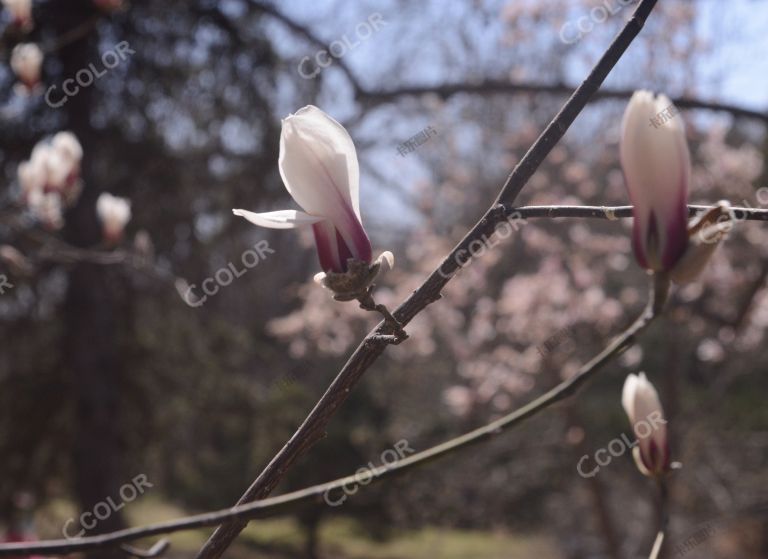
(655, 159)
(282, 219)
(628, 396)
(318, 164)
(387, 261)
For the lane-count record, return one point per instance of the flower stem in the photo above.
(369, 304)
(663, 519)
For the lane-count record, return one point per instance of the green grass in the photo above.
(340, 538)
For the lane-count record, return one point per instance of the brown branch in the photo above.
(274, 506)
(663, 511)
(488, 87)
(313, 427)
(615, 212)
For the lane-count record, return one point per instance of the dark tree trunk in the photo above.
(310, 521)
(91, 314)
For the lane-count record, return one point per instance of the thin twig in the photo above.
(369, 304)
(275, 506)
(616, 212)
(313, 427)
(491, 86)
(658, 543)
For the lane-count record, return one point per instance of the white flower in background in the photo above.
(641, 402)
(21, 12)
(32, 176)
(52, 173)
(63, 164)
(114, 213)
(318, 164)
(26, 61)
(47, 209)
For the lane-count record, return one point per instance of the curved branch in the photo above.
(491, 86)
(277, 505)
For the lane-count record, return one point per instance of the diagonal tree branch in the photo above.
(278, 505)
(313, 427)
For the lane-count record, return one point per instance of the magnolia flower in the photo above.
(47, 208)
(657, 169)
(21, 11)
(26, 60)
(318, 165)
(641, 402)
(53, 167)
(50, 180)
(114, 213)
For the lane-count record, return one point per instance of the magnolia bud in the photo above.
(657, 169)
(641, 402)
(114, 213)
(26, 61)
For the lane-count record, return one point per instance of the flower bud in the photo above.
(114, 213)
(657, 170)
(21, 12)
(641, 402)
(26, 61)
